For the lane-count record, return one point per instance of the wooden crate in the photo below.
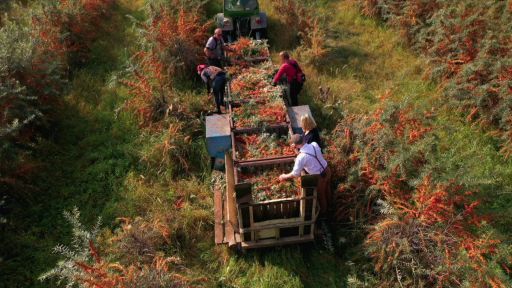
(277, 222)
(284, 162)
(241, 222)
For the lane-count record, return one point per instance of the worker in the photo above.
(214, 49)
(215, 79)
(310, 130)
(311, 161)
(294, 76)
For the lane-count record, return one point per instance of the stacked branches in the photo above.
(267, 186)
(171, 46)
(261, 104)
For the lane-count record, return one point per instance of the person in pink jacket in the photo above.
(294, 76)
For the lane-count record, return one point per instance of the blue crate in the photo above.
(218, 135)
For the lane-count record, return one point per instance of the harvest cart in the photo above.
(244, 223)
(249, 214)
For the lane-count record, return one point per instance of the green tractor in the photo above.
(242, 18)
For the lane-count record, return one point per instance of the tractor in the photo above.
(242, 18)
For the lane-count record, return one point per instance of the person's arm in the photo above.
(297, 168)
(205, 77)
(279, 74)
(228, 48)
(208, 52)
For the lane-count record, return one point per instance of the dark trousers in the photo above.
(295, 88)
(214, 62)
(324, 193)
(219, 88)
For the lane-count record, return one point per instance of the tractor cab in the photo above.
(242, 18)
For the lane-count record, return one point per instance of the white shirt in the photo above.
(306, 160)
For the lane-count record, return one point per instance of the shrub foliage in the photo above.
(171, 46)
(469, 45)
(423, 232)
(38, 50)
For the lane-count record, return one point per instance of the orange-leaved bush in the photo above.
(422, 232)
(171, 47)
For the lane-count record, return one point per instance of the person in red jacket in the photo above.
(291, 69)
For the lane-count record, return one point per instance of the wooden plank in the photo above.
(232, 213)
(219, 219)
(280, 242)
(273, 226)
(266, 233)
(266, 161)
(228, 230)
(251, 222)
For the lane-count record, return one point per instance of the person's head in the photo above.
(218, 33)
(285, 56)
(200, 68)
(297, 141)
(307, 123)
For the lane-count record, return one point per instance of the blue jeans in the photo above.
(219, 88)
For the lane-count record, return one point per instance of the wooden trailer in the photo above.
(241, 222)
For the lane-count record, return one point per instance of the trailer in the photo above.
(248, 216)
(241, 222)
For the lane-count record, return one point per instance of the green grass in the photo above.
(83, 164)
(94, 160)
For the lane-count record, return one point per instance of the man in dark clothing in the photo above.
(215, 78)
(214, 49)
(291, 69)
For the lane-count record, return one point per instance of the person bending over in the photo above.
(215, 79)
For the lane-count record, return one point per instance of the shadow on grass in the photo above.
(335, 60)
(84, 165)
(306, 265)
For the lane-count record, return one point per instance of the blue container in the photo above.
(218, 135)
